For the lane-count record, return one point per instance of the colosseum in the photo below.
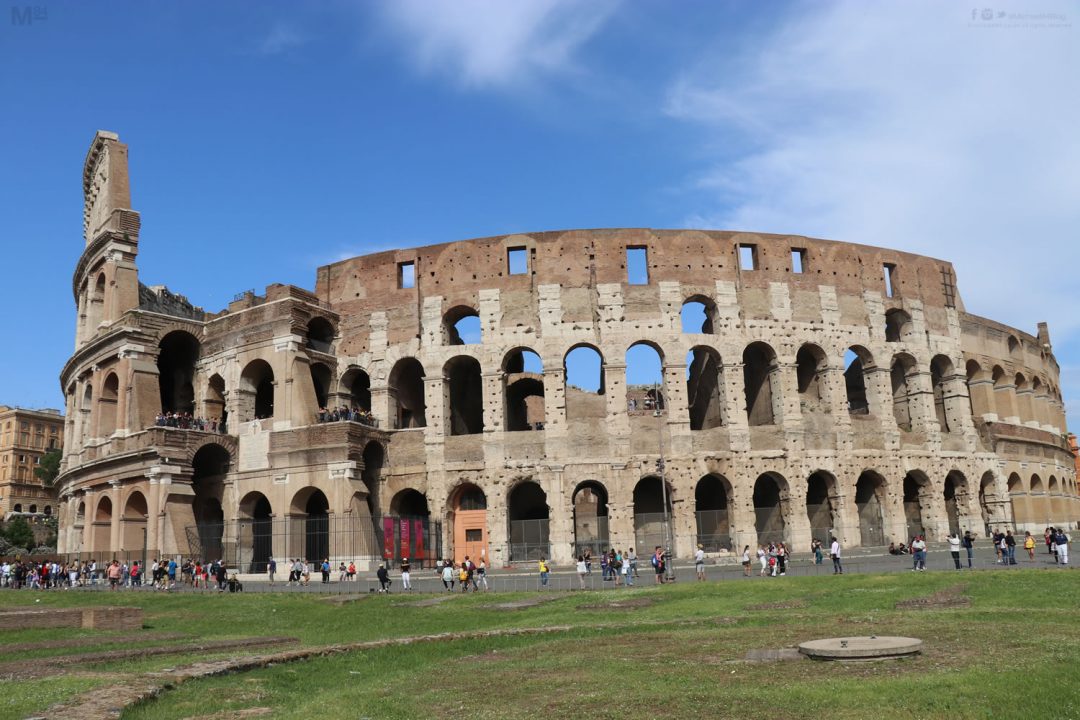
(536, 394)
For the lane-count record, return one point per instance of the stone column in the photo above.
(797, 521)
(118, 510)
(494, 402)
(1005, 402)
(735, 407)
(678, 413)
(560, 517)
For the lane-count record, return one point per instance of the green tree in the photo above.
(49, 467)
(19, 534)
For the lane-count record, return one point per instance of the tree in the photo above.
(19, 534)
(49, 467)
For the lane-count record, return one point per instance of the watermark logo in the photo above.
(990, 18)
(27, 15)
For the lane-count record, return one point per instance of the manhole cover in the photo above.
(870, 647)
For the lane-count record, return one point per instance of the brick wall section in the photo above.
(106, 618)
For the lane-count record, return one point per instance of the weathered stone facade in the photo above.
(826, 387)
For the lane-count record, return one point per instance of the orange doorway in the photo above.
(470, 524)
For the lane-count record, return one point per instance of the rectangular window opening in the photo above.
(798, 260)
(890, 277)
(637, 265)
(748, 257)
(517, 261)
(406, 275)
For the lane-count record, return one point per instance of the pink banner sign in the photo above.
(405, 538)
(388, 538)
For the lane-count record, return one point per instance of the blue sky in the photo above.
(266, 139)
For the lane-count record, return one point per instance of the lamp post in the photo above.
(669, 569)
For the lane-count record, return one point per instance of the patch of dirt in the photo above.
(783, 605)
(950, 597)
(627, 604)
(521, 604)
(82, 642)
(431, 601)
(343, 599)
(42, 667)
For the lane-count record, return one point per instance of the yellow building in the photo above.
(25, 437)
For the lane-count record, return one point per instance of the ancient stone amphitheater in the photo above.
(537, 394)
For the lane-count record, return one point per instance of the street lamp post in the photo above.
(669, 569)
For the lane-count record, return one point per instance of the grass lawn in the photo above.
(674, 651)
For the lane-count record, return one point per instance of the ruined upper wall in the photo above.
(586, 259)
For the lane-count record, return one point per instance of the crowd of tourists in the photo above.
(185, 421)
(157, 575)
(346, 414)
(467, 575)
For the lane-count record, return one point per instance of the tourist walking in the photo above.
(1010, 547)
(545, 570)
(763, 558)
(1003, 550)
(1062, 542)
(969, 546)
(746, 561)
(918, 552)
(699, 562)
(582, 570)
(657, 562)
(325, 568)
(271, 568)
(481, 574)
(384, 578)
(834, 553)
(1029, 545)
(406, 577)
(954, 549)
(448, 575)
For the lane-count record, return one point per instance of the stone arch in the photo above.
(356, 387)
(811, 364)
(699, 315)
(942, 379)
(133, 525)
(1016, 350)
(704, 388)
(102, 526)
(1022, 391)
(214, 404)
(898, 325)
(461, 326)
(178, 352)
(464, 395)
(310, 518)
(645, 377)
(523, 390)
(95, 312)
(406, 391)
(590, 503)
(583, 365)
(760, 384)
(320, 335)
(858, 364)
(466, 518)
(320, 381)
(821, 509)
(256, 532)
(771, 507)
(256, 391)
(955, 492)
(712, 512)
(870, 495)
(917, 503)
(209, 466)
(651, 514)
(902, 374)
(409, 503)
(1004, 393)
(1055, 502)
(528, 518)
(107, 401)
(989, 502)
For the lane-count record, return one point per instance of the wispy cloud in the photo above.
(281, 38)
(492, 44)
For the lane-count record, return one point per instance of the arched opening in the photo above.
(1016, 498)
(465, 396)
(1056, 513)
(215, 401)
(699, 315)
(33, 509)
(256, 391)
(651, 515)
(48, 511)
(902, 375)
(988, 501)
(1015, 349)
(1038, 502)
(858, 363)
(468, 522)
(133, 527)
(644, 379)
(897, 325)
(523, 390)
(17, 508)
(955, 483)
(770, 508)
(916, 503)
(86, 427)
(357, 384)
(110, 390)
(311, 511)
(810, 367)
(704, 388)
(1004, 394)
(256, 532)
(1023, 398)
(406, 391)
(941, 374)
(712, 499)
(820, 491)
(583, 366)
(320, 335)
(320, 381)
(95, 314)
(590, 501)
(409, 503)
(869, 503)
(102, 526)
(461, 326)
(209, 468)
(178, 352)
(759, 380)
(527, 512)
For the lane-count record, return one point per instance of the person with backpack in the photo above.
(545, 570)
(657, 562)
(969, 546)
(1062, 542)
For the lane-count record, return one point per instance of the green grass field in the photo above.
(674, 651)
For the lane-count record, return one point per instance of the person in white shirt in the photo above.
(834, 553)
(582, 570)
(699, 562)
(954, 549)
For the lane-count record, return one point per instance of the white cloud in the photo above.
(486, 43)
(907, 125)
(280, 39)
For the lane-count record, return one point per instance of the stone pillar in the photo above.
(1023, 406)
(921, 402)
(560, 518)
(494, 402)
(735, 407)
(118, 511)
(380, 406)
(615, 390)
(981, 394)
(678, 413)
(797, 521)
(90, 498)
(554, 400)
(1005, 402)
